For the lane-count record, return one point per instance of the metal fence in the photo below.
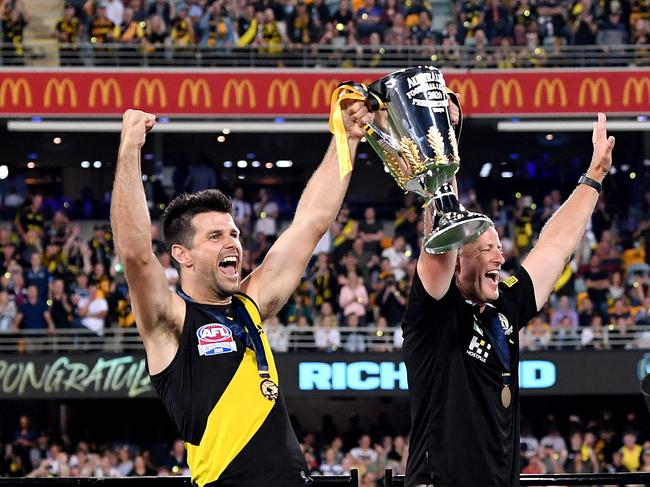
(296, 338)
(323, 56)
(352, 480)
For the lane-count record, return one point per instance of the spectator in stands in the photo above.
(565, 311)
(100, 31)
(140, 468)
(68, 31)
(7, 312)
(595, 335)
(326, 333)
(398, 254)
(130, 35)
(330, 464)
(630, 452)
(31, 218)
(597, 283)
(247, 26)
(587, 312)
(583, 25)
(24, 440)
(612, 31)
(368, 20)
(423, 30)
(354, 340)
(177, 460)
(298, 307)
(267, 212)
(60, 308)
(277, 334)
(271, 38)
(393, 302)
(156, 38)
(371, 231)
(302, 335)
(12, 30)
(353, 298)
(242, 211)
(165, 9)
(33, 314)
(538, 334)
(37, 275)
(94, 311)
(170, 271)
(323, 281)
(300, 27)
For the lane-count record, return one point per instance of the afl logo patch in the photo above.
(215, 339)
(269, 389)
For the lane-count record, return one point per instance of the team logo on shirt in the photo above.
(505, 324)
(479, 349)
(215, 339)
(511, 281)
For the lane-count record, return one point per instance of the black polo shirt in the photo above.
(461, 433)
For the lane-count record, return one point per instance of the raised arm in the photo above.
(563, 231)
(272, 283)
(158, 312)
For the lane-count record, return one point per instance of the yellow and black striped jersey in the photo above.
(234, 422)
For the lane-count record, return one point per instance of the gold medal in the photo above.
(506, 396)
(269, 389)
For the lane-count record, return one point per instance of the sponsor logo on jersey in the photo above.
(215, 339)
(479, 349)
(511, 281)
(505, 324)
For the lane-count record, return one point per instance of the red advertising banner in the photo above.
(299, 93)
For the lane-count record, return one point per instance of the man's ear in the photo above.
(181, 255)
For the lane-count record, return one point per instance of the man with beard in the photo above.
(207, 357)
(461, 343)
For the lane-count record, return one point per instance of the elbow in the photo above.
(135, 258)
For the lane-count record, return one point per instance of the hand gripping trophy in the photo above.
(413, 135)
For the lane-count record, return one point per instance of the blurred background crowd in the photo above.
(604, 443)
(501, 33)
(62, 274)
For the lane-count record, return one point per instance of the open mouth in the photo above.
(228, 266)
(493, 276)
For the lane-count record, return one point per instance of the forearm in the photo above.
(565, 228)
(324, 193)
(129, 213)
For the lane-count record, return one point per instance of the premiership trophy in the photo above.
(413, 135)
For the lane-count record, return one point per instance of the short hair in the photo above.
(177, 219)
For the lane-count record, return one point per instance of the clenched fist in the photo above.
(355, 117)
(135, 125)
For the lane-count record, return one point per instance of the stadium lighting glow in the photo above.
(241, 176)
(268, 165)
(242, 164)
(31, 165)
(633, 175)
(97, 164)
(485, 170)
(506, 174)
(613, 170)
(227, 163)
(57, 140)
(549, 137)
(284, 163)
(221, 138)
(85, 164)
(4, 171)
(256, 164)
(625, 167)
(225, 131)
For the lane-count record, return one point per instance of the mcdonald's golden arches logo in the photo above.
(195, 87)
(323, 90)
(151, 87)
(60, 87)
(594, 87)
(105, 87)
(15, 87)
(640, 86)
(549, 88)
(466, 89)
(283, 87)
(238, 87)
(506, 88)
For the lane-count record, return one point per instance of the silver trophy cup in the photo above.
(413, 135)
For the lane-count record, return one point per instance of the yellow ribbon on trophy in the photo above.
(343, 92)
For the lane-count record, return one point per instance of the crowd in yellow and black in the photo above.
(58, 272)
(602, 443)
(501, 33)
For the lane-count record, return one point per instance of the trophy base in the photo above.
(455, 230)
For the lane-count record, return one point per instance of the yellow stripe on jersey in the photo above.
(237, 416)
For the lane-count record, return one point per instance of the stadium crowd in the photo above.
(501, 33)
(601, 444)
(353, 294)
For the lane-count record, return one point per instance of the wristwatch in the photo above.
(584, 179)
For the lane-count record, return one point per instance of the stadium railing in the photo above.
(326, 56)
(352, 480)
(120, 340)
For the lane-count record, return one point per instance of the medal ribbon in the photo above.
(344, 92)
(248, 334)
